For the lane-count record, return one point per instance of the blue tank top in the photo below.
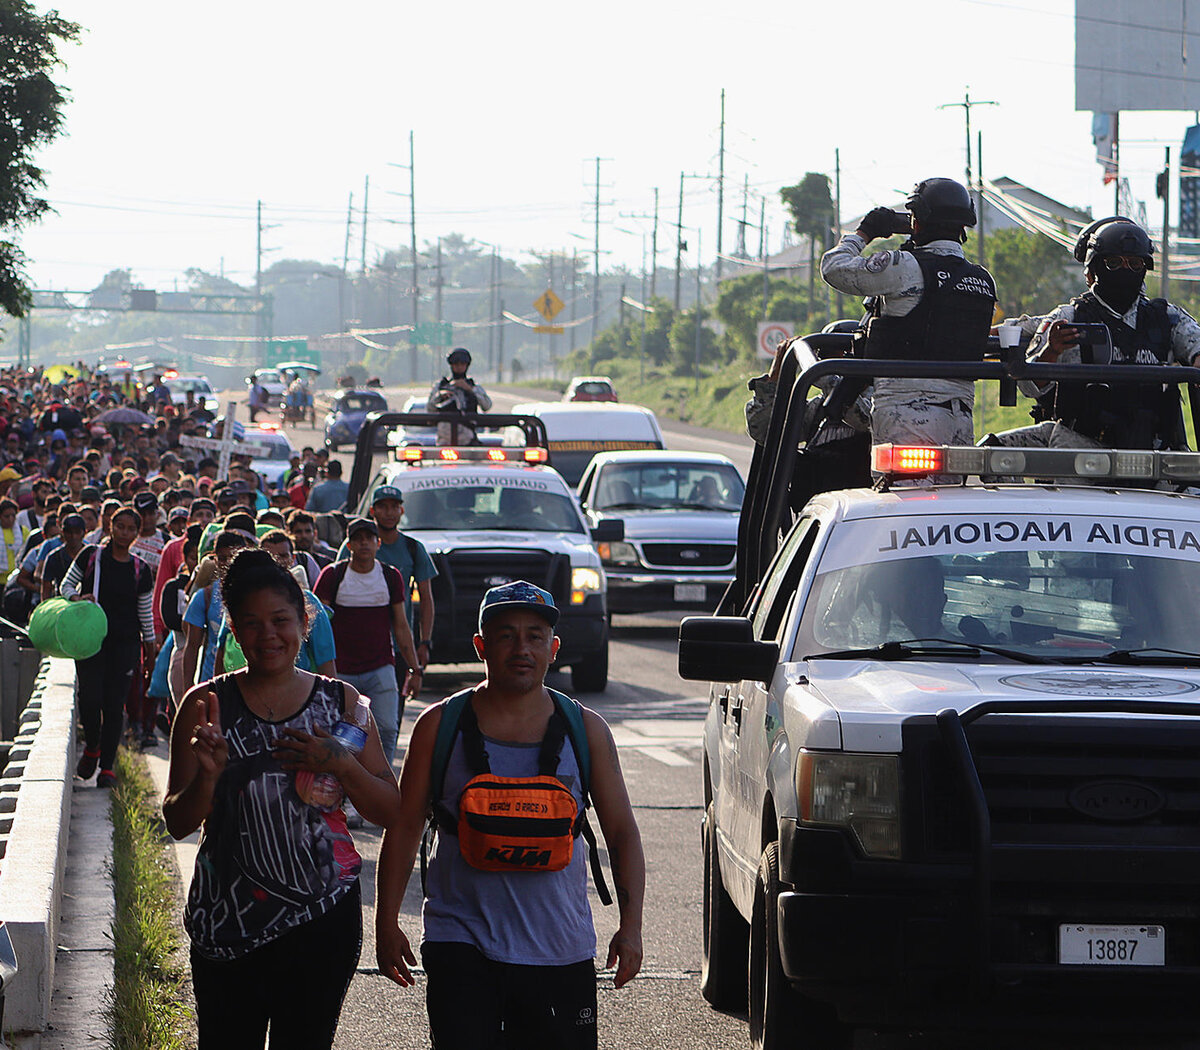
(267, 861)
(532, 918)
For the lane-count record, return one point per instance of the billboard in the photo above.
(1133, 55)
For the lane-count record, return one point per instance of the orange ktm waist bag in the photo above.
(516, 823)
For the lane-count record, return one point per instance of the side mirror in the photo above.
(723, 649)
(608, 530)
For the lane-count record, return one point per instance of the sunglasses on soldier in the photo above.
(1131, 262)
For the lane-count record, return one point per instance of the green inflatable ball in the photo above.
(43, 625)
(81, 629)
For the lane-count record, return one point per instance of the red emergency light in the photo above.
(907, 459)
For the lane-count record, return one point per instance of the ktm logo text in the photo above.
(519, 856)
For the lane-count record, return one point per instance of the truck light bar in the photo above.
(468, 454)
(1061, 463)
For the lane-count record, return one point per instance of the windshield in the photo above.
(668, 486)
(182, 386)
(362, 404)
(517, 503)
(1059, 587)
(279, 446)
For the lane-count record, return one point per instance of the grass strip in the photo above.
(149, 1010)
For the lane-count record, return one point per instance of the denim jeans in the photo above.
(380, 686)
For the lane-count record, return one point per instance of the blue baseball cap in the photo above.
(387, 492)
(518, 595)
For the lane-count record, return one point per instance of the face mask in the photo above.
(1119, 288)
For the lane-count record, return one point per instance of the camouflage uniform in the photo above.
(903, 411)
(1185, 346)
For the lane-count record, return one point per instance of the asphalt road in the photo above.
(656, 719)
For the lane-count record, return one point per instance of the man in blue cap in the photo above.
(516, 944)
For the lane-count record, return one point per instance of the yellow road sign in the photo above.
(553, 329)
(548, 304)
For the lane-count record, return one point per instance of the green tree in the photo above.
(30, 116)
(1033, 273)
(811, 207)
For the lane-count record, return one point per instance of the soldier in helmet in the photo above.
(927, 304)
(457, 395)
(1115, 253)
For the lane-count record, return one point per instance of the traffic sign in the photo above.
(770, 333)
(548, 304)
(278, 350)
(432, 333)
(552, 329)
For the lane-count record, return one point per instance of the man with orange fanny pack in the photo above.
(507, 925)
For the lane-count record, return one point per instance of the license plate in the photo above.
(1111, 945)
(690, 592)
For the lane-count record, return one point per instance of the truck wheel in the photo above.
(591, 675)
(726, 935)
(779, 1016)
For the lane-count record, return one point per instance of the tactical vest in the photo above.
(951, 321)
(472, 402)
(1136, 415)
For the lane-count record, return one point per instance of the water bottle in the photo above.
(325, 791)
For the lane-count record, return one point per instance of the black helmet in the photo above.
(1115, 235)
(942, 200)
(459, 353)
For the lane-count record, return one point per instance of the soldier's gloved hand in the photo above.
(877, 222)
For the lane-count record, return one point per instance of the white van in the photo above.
(578, 430)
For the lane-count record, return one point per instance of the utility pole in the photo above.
(574, 275)
(258, 277)
(1163, 187)
(966, 105)
(699, 312)
(762, 252)
(653, 251)
(345, 264)
(679, 242)
(493, 291)
(979, 196)
(720, 188)
(416, 268)
(500, 350)
(438, 281)
(837, 204)
(596, 270)
(362, 265)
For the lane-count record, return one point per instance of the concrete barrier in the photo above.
(35, 809)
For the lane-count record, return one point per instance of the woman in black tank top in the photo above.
(274, 909)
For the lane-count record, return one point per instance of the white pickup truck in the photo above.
(950, 756)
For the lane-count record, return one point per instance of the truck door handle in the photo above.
(736, 712)
(723, 703)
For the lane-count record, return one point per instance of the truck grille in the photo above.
(689, 555)
(464, 576)
(1052, 784)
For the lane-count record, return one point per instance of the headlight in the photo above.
(859, 792)
(617, 553)
(584, 581)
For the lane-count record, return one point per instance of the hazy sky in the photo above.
(183, 115)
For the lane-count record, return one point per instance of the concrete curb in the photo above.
(38, 779)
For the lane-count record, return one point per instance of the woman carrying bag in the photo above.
(274, 910)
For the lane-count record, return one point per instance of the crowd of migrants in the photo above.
(275, 643)
(101, 497)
